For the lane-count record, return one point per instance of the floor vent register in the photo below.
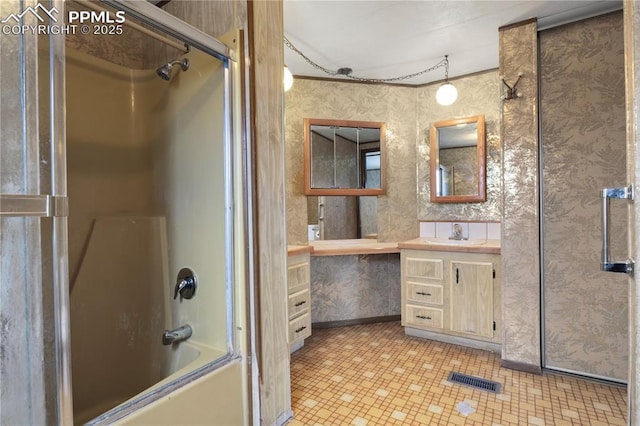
(474, 382)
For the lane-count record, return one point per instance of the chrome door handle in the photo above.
(606, 264)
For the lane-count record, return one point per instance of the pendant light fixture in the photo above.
(288, 79)
(447, 93)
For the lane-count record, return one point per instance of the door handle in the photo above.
(606, 264)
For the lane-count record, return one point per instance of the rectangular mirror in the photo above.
(343, 217)
(343, 157)
(458, 167)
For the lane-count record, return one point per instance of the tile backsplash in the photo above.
(470, 230)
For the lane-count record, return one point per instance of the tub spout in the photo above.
(177, 335)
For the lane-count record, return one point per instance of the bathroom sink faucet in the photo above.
(457, 232)
(177, 335)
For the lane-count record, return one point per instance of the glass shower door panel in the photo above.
(32, 225)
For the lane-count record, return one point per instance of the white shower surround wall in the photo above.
(163, 167)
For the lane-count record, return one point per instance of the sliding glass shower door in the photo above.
(34, 365)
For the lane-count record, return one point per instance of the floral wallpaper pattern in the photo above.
(583, 111)
(354, 287)
(520, 218)
(121, 49)
(134, 50)
(409, 113)
(362, 102)
(478, 94)
(348, 287)
(464, 169)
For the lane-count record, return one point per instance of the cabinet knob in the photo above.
(300, 329)
(423, 317)
(423, 293)
(300, 303)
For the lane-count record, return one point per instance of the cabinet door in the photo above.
(472, 298)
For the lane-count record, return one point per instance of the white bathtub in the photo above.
(217, 398)
(185, 357)
(181, 361)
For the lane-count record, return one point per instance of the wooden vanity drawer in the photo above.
(424, 268)
(298, 302)
(298, 277)
(424, 317)
(425, 293)
(300, 328)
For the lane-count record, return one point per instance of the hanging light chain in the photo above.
(443, 63)
(309, 61)
(446, 68)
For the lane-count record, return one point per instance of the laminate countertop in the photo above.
(433, 244)
(351, 247)
(294, 250)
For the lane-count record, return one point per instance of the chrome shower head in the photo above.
(164, 72)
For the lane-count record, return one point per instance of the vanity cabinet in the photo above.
(299, 298)
(451, 294)
(471, 301)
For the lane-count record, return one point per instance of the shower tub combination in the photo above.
(154, 272)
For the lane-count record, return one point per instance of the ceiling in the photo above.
(387, 39)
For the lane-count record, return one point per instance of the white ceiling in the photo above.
(386, 39)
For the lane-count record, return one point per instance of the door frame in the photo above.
(631, 18)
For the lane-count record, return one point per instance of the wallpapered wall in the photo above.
(404, 109)
(138, 51)
(121, 49)
(477, 94)
(582, 111)
(520, 217)
(350, 287)
(463, 165)
(362, 102)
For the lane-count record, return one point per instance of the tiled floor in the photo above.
(375, 375)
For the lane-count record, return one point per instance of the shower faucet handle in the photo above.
(185, 287)
(185, 284)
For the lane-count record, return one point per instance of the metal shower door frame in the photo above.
(55, 204)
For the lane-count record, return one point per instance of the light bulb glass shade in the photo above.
(288, 79)
(446, 94)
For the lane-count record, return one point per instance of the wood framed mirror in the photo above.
(458, 163)
(344, 157)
